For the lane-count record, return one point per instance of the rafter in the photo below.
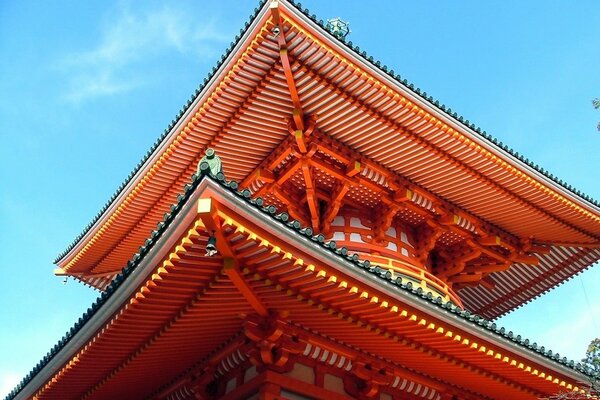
(548, 276)
(368, 108)
(209, 214)
(582, 245)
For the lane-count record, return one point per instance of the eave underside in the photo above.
(244, 117)
(191, 304)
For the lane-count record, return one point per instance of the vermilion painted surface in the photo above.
(301, 120)
(271, 304)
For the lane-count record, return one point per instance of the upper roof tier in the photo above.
(244, 109)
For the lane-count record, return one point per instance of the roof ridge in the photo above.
(284, 219)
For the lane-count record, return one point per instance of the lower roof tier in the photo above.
(272, 283)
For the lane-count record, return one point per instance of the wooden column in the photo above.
(269, 391)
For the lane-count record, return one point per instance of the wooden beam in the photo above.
(524, 258)
(465, 278)
(292, 205)
(232, 270)
(458, 263)
(280, 178)
(487, 268)
(311, 196)
(335, 203)
(425, 237)
(208, 213)
(298, 113)
(384, 222)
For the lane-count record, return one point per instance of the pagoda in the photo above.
(312, 226)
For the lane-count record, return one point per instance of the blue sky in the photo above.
(86, 87)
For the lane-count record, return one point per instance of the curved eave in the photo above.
(166, 237)
(472, 132)
(469, 131)
(151, 164)
(170, 134)
(428, 102)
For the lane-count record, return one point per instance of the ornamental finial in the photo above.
(338, 27)
(213, 162)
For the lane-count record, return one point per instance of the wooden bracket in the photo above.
(384, 222)
(456, 264)
(311, 196)
(335, 203)
(425, 237)
(292, 205)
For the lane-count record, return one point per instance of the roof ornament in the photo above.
(338, 27)
(276, 31)
(210, 163)
(211, 245)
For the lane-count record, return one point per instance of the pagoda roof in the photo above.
(125, 290)
(240, 110)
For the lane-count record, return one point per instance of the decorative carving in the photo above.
(338, 27)
(366, 380)
(213, 162)
(273, 345)
(425, 237)
(335, 176)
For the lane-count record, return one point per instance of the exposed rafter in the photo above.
(359, 103)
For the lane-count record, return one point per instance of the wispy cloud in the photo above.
(101, 82)
(8, 381)
(130, 41)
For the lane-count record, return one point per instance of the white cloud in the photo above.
(130, 40)
(8, 381)
(98, 83)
